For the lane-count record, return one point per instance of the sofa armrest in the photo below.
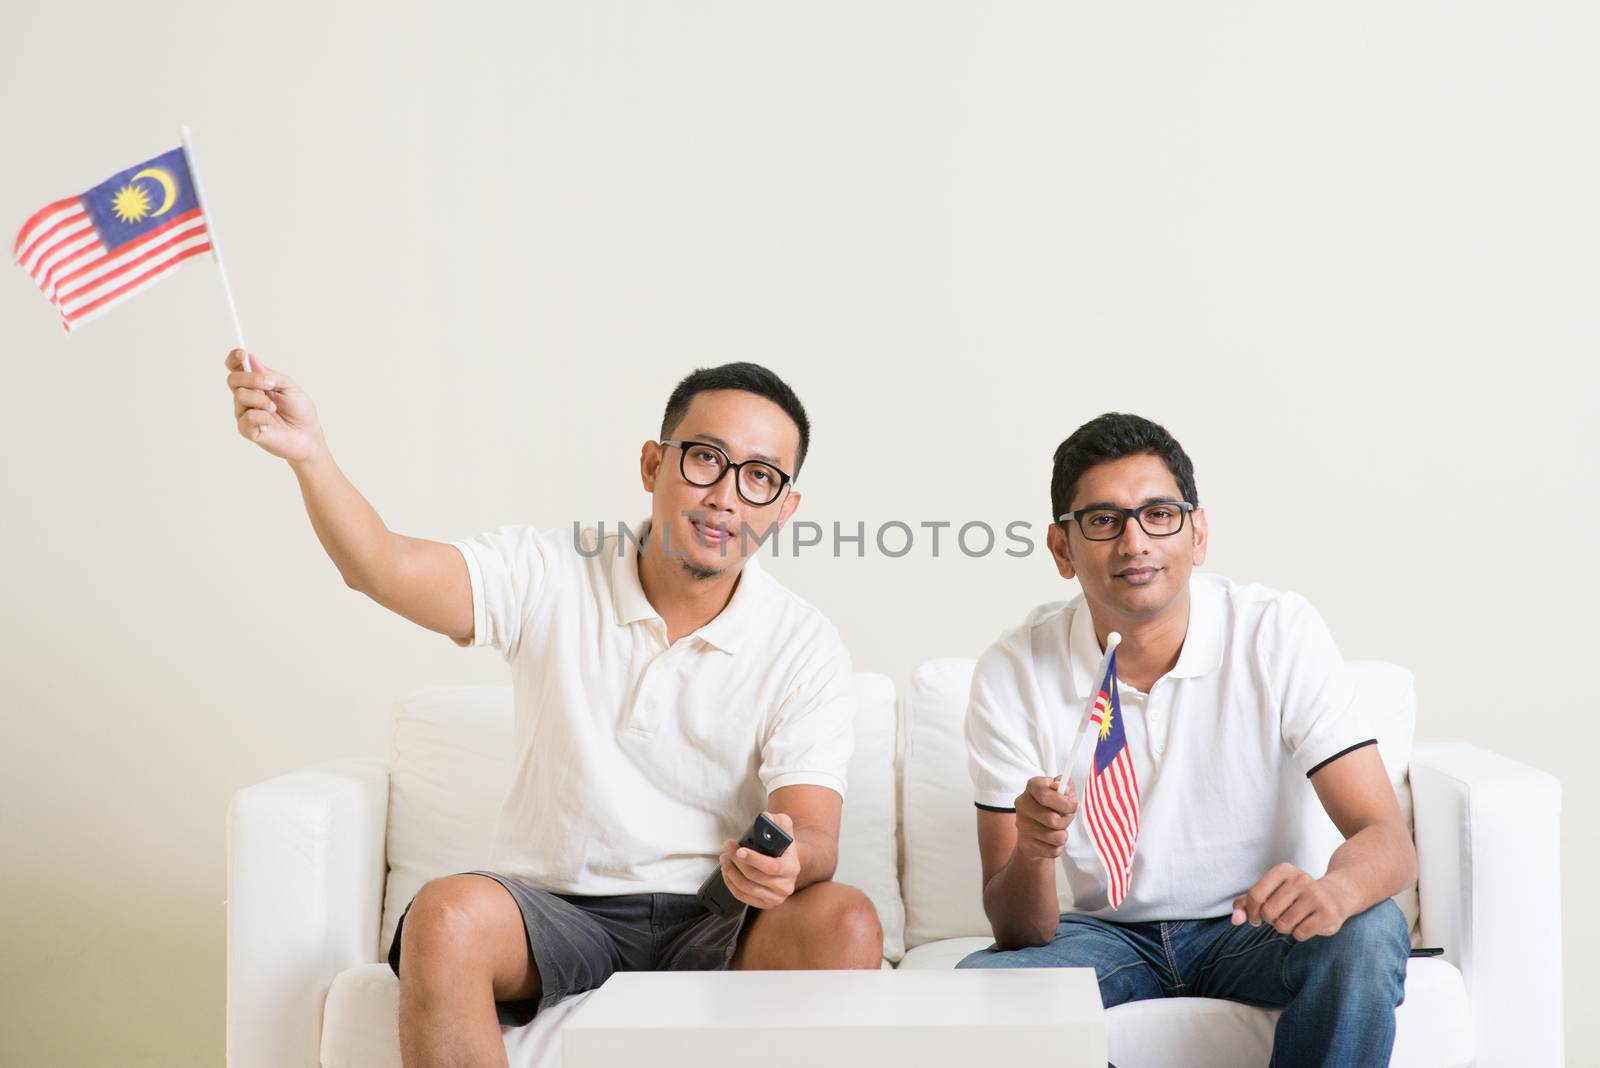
(1488, 833)
(305, 895)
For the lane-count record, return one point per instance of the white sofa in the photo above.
(322, 861)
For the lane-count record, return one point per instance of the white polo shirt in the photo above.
(635, 760)
(1258, 699)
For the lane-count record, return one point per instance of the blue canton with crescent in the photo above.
(174, 167)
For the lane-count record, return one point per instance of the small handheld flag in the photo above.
(1113, 639)
(91, 252)
(1111, 798)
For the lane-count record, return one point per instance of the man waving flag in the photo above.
(89, 253)
(1111, 799)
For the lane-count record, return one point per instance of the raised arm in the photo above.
(424, 581)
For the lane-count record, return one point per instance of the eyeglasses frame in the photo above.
(1183, 507)
(683, 454)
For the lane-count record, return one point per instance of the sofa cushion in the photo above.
(1432, 1026)
(867, 829)
(450, 771)
(941, 876)
(940, 880)
(943, 952)
(452, 767)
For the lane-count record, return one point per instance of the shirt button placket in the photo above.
(647, 705)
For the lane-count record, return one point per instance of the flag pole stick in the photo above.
(216, 246)
(1113, 640)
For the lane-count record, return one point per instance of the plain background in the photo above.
(1347, 253)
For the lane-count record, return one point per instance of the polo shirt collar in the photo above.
(1202, 645)
(627, 594)
(726, 630)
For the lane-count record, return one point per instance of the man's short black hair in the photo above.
(750, 377)
(1111, 437)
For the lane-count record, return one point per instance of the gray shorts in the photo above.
(577, 941)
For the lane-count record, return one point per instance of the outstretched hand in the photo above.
(272, 410)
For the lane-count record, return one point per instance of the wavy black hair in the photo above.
(1111, 437)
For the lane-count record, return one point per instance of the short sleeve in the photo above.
(1315, 692)
(813, 732)
(1002, 736)
(511, 569)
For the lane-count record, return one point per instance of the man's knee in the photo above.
(1378, 935)
(860, 934)
(826, 925)
(1369, 952)
(845, 922)
(466, 926)
(444, 919)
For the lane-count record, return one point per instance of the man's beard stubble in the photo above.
(701, 573)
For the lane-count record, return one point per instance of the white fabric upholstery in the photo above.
(450, 771)
(1489, 846)
(941, 877)
(306, 882)
(944, 952)
(868, 827)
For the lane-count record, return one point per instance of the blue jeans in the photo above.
(1338, 994)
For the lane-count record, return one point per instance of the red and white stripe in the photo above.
(60, 250)
(1111, 812)
(1097, 714)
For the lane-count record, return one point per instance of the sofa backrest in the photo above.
(451, 769)
(452, 766)
(940, 873)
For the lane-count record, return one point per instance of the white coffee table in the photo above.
(964, 1019)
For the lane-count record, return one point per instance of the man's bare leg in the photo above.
(826, 925)
(463, 947)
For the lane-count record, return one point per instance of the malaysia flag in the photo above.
(90, 253)
(1111, 800)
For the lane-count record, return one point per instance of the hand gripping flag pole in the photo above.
(216, 245)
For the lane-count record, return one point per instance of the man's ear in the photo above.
(791, 504)
(1202, 532)
(649, 464)
(1060, 550)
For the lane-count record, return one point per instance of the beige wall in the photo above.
(1348, 253)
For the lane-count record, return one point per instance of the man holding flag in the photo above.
(1218, 697)
(667, 689)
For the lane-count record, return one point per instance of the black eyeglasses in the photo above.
(1104, 523)
(703, 464)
